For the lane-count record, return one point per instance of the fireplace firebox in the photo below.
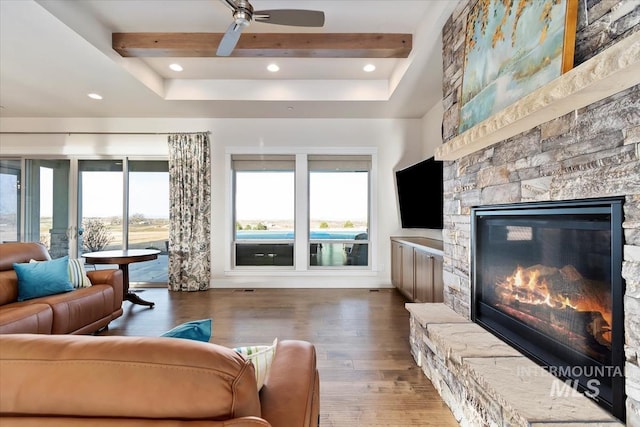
(547, 280)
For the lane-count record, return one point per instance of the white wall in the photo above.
(431, 138)
(432, 129)
(398, 143)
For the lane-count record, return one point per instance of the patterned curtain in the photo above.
(190, 212)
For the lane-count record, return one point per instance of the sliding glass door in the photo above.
(74, 206)
(47, 205)
(124, 204)
(100, 205)
(10, 210)
(148, 217)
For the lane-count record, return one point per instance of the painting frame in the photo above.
(513, 47)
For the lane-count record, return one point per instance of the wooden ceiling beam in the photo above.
(268, 45)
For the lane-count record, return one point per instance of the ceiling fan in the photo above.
(243, 14)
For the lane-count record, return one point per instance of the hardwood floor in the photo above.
(367, 375)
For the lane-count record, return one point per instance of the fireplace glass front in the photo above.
(547, 280)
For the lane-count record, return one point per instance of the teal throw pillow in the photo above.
(77, 274)
(199, 330)
(40, 279)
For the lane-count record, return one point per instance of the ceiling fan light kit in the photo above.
(243, 13)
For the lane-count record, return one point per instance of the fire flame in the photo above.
(530, 286)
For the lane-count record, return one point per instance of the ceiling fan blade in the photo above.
(230, 3)
(230, 39)
(298, 18)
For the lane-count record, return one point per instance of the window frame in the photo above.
(338, 164)
(302, 264)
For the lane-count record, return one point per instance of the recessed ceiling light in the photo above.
(94, 96)
(273, 68)
(176, 67)
(369, 68)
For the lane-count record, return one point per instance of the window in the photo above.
(339, 210)
(264, 210)
(330, 215)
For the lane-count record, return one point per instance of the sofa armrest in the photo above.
(290, 396)
(111, 277)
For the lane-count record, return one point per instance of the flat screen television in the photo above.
(420, 194)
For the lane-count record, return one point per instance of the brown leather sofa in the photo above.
(65, 380)
(81, 311)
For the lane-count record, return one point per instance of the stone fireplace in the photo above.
(589, 153)
(546, 279)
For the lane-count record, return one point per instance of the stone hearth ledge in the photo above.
(487, 382)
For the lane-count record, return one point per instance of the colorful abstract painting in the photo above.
(512, 48)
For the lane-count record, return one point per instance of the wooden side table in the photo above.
(123, 258)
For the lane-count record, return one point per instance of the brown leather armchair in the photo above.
(55, 380)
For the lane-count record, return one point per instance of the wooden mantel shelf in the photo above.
(611, 71)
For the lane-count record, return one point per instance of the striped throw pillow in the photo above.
(77, 274)
(261, 357)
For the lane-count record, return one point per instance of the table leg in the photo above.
(128, 295)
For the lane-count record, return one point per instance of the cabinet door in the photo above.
(408, 272)
(424, 276)
(396, 264)
(438, 285)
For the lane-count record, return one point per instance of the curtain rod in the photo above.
(98, 133)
